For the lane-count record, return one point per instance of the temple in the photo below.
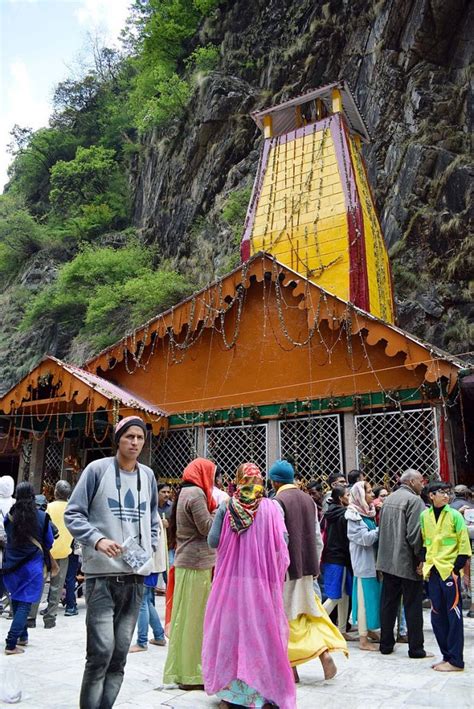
(312, 207)
(293, 354)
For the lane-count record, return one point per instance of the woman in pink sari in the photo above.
(245, 647)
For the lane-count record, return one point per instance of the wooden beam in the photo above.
(267, 126)
(299, 119)
(42, 402)
(336, 101)
(319, 109)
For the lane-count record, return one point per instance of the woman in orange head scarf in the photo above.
(201, 472)
(190, 523)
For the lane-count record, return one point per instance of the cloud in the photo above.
(106, 15)
(24, 108)
(24, 98)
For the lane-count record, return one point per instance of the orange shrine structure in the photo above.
(293, 354)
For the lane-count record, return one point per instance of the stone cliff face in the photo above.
(407, 62)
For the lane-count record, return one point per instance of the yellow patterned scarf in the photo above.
(244, 504)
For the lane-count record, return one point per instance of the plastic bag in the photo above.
(10, 689)
(136, 557)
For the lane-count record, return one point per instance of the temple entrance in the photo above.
(9, 465)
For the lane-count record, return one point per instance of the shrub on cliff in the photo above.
(105, 292)
(68, 298)
(20, 236)
(234, 211)
(113, 311)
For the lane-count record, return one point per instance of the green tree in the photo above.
(20, 235)
(170, 25)
(204, 58)
(112, 312)
(89, 189)
(235, 209)
(172, 97)
(82, 180)
(116, 119)
(35, 154)
(78, 280)
(75, 100)
(161, 28)
(95, 107)
(103, 293)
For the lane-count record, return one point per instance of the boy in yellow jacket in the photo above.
(447, 546)
(60, 551)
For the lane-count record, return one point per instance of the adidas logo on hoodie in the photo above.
(129, 507)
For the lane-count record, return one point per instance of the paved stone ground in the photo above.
(51, 671)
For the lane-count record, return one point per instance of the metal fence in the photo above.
(53, 465)
(229, 446)
(386, 444)
(389, 443)
(314, 444)
(171, 453)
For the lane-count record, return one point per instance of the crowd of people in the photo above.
(259, 579)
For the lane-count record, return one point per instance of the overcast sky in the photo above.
(41, 42)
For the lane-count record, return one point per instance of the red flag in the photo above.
(443, 454)
(169, 600)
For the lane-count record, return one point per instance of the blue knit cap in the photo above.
(282, 472)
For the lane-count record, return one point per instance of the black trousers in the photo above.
(446, 616)
(393, 588)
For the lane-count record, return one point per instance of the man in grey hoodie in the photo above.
(115, 498)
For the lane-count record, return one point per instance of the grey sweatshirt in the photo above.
(400, 542)
(362, 545)
(90, 517)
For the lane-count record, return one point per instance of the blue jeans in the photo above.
(446, 616)
(148, 616)
(171, 554)
(18, 629)
(70, 581)
(112, 611)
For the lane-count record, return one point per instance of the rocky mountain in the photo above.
(408, 63)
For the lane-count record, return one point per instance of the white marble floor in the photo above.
(51, 670)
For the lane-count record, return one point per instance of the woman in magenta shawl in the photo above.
(245, 647)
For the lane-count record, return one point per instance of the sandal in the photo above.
(14, 651)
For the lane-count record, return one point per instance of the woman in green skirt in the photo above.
(190, 523)
(363, 535)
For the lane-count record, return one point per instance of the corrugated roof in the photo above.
(106, 390)
(110, 390)
(285, 120)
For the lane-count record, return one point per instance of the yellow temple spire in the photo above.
(312, 206)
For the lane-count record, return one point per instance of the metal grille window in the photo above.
(389, 443)
(53, 462)
(314, 444)
(172, 452)
(230, 446)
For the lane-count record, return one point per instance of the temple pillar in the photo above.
(273, 442)
(349, 445)
(200, 441)
(37, 463)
